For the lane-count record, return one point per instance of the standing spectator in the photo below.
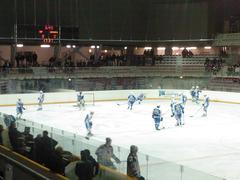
(133, 169)
(14, 134)
(105, 153)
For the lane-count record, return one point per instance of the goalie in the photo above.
(80, 101)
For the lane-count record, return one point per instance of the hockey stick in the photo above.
(196, 112)
(121, 104)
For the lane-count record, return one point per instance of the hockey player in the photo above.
(140, 98)
(192, 92)
(88, 123)
(173, 102)
(40, 100)
(179, 114)
(196, 94)
(183, 99)
(131, 101)
(205, 105)
(156, 115)
(19, 108)
(81, 101)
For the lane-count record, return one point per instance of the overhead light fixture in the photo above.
(148, 48)
(68, 46)
(125, 47)
(191, 48)
(175, 48)
(93, 47)
(161, 48)
(89, 50)
(98, 47)
(19, 45)
(73, 46)
(45, 46)
(105, 51)
(207, 47)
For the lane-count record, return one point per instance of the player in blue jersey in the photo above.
(40, 100)
(131, 101)
(183, 99)
(19, 108)
(89, 124)
(179, 114)
(196, 94)
(205, 105)
(173, 102)
(192, 93)
(140, 98)
(81, 101)
(157, 116)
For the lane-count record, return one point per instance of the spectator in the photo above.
(105, 153)
(93, 162)
(133, 169)
(70, 168)
(37, 149)
(14, 136)
(4, 136)
(184, 53)
(84, 168)
(1, 137)
(56, 163)
(47, 148)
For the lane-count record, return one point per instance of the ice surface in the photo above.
(209, 144)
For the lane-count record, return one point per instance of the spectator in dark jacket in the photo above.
(47, 148)
(1, 130)
(133, 169)
(84, 168)
(14, 136)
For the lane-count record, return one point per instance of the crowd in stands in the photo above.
(44, 150)
(187, 53)
(234, 69)
(213, 65)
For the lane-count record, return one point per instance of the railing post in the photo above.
(181, 170)
(147, 159)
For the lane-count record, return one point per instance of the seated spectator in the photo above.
(1, 138)
(56, 163)
(133, 169)
(105, 153)
(37, 149)
(84, 169)
(70, 168)
(4, 137)
(47, 148)
(14, 136)
(184, 53)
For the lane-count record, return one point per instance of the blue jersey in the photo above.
(196, 93)
(41, 98)
(80, 97)
(178, 109)
(131, 99)
(140, 97)
(183, 99)
(206, 102)
(156, 113)
(88, 121)
(19, 107)
(192, 92)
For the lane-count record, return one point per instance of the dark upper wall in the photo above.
(110, 19)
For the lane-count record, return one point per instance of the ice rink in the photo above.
(208, 144)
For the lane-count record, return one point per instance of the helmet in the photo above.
(158, 106)
(91, 112)
(197, 87)
(41, 92)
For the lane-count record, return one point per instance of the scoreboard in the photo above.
(48, 33)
